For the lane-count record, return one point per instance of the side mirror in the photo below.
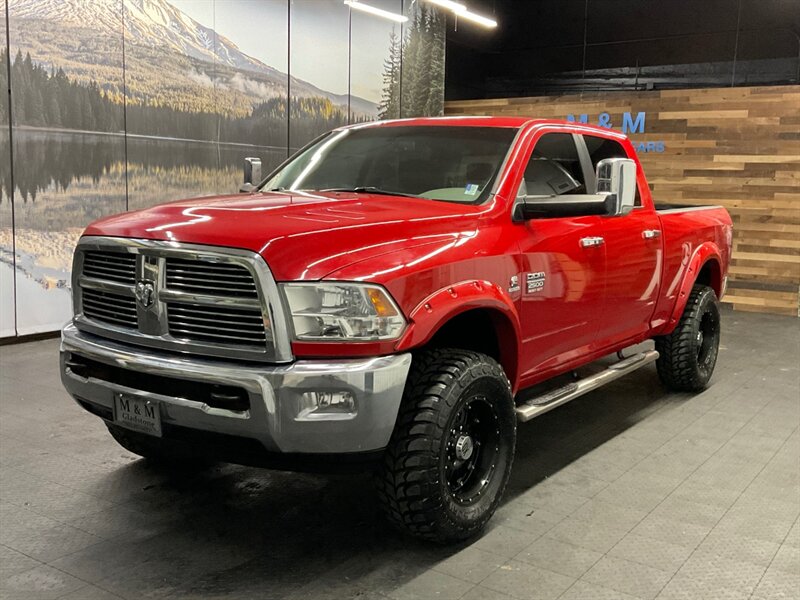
(252, 174)
(616, 179)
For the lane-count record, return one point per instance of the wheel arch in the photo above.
(705, 267)
(471, 315)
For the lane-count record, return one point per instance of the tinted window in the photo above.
(554, 168)
(601, 148)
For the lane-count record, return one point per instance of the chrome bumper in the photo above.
(275, 416)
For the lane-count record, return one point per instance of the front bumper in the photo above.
(274, 416)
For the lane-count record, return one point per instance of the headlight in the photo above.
(342, 311)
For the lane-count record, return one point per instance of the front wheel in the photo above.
(687, 356)
(450, 456)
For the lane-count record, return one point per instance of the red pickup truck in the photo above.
(396, 296)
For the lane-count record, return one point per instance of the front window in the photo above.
(455, 164)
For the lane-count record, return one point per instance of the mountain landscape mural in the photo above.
(121, 104)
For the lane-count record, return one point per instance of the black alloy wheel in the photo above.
(473, 445)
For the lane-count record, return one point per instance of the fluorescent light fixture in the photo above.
(449, 5)
(476, 18)
(378, 12)
(461, 11)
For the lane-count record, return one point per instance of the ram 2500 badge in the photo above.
(388, 298)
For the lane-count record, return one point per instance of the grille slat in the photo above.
(111, 258)
(212, 289)
(112, 266)
(181, 278)
(178, 323)
(200, 320)
(181, 269)
(215, 337)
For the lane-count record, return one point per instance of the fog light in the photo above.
(326, 404)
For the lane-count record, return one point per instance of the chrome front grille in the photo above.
(211, 301)
(110, 308)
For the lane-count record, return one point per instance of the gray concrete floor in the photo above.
(630, 492)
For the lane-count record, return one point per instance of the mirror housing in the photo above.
(252, 174)
(616, 179)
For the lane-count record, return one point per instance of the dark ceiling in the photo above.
(556, 46)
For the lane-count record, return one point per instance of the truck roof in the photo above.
(473, 121)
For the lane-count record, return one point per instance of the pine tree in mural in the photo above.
(434, 105)
(389, 107)
(422, 71)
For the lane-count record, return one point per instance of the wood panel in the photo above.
(738, 147)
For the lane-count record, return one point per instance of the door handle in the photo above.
(589, 242)
(650, 234)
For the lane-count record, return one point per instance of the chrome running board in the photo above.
(541, 404)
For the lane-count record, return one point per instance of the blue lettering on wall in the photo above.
(630, 124)
(581, 118)
(649, 147)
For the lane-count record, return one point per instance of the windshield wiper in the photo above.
(369, 189)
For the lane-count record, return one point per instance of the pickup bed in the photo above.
(396, 296)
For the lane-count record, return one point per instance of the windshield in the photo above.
(456, 164)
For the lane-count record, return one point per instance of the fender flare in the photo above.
(432, 313)
(704, 253)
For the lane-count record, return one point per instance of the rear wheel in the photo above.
(448, 462)
(687, 356)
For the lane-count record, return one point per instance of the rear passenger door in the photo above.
(634, 258)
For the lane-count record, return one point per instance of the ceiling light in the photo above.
(449, 5)
(476, 18)
(461, 10)
(378, 12)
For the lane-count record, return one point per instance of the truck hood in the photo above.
(301, 235)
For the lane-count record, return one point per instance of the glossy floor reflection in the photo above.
(629, 492)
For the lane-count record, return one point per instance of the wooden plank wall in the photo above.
(738, 147)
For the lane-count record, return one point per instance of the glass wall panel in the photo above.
(172, 101)
(422, 79)
(318, 63)
(252, 75)
(7, 319)
(375, 58)
(68, 143)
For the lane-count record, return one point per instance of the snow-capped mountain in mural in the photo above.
(80, 36)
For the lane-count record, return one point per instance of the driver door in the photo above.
(561, 260)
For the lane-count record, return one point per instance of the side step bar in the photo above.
(541, 404)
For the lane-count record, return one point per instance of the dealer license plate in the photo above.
(138, 414)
